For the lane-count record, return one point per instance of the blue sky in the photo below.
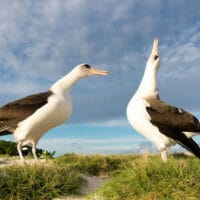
(41, 41)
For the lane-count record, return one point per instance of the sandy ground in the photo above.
(93, 182)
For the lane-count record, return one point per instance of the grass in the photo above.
(131, 177)
(38, 182)
(150, 179)
(97, 165)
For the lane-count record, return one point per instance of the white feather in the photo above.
(55, 112)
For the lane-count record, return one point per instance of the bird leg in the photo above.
(19, 149)
(34, 151)
(164, 155)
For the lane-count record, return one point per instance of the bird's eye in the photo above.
(87, 66)
(155, 57)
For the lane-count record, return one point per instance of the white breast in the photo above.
(140, 121)
(55, 112)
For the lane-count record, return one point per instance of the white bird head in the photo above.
(87, 70)
(78, 72)
(154, 59)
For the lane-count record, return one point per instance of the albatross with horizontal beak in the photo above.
(30, 117)
(160, 122)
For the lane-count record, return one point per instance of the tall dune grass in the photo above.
(132, 177)
(150, 179)
(39, 182)
(97, 164)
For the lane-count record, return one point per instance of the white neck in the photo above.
(148, 85)
(65, 83)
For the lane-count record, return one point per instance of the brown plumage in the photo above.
(13, 113)
(173, 122)
(167, 115)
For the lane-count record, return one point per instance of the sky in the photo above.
(41, 41)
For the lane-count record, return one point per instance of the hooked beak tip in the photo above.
(155, 47)
(100, 72)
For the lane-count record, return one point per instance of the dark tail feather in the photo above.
(182, 139)
(5, 131)
(190, 145)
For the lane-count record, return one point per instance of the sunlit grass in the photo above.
(130, 177)
(38, 182)
(150, 179)
(96, 165)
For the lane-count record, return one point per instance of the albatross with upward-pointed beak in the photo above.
(160, 122)
(30, 117)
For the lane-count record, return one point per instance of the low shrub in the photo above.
(152, 179)
(38, 182)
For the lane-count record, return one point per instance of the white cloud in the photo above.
(40, 41)
(86, 145)
(70, 140)
(118, 122)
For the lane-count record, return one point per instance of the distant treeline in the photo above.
(10, 148)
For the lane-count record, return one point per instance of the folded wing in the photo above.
(173, 122)
(15, 112)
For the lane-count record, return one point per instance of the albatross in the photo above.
(30, 117)
(161, 123)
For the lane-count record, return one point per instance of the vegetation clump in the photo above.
(97, 165)
(152, 179)
(139, 177)
(38, 182)
(10, 148)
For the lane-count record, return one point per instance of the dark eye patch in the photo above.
(155, 57)
(87, 66)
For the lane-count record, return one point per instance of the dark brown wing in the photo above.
(12, 113)
(172, 122)
(166, 115)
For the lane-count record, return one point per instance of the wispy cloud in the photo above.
(86, 145)
(138, 145)
(71, 140)
(118, 122)
(40, 41)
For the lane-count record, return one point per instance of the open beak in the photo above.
(95, 71)
(155, 48)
